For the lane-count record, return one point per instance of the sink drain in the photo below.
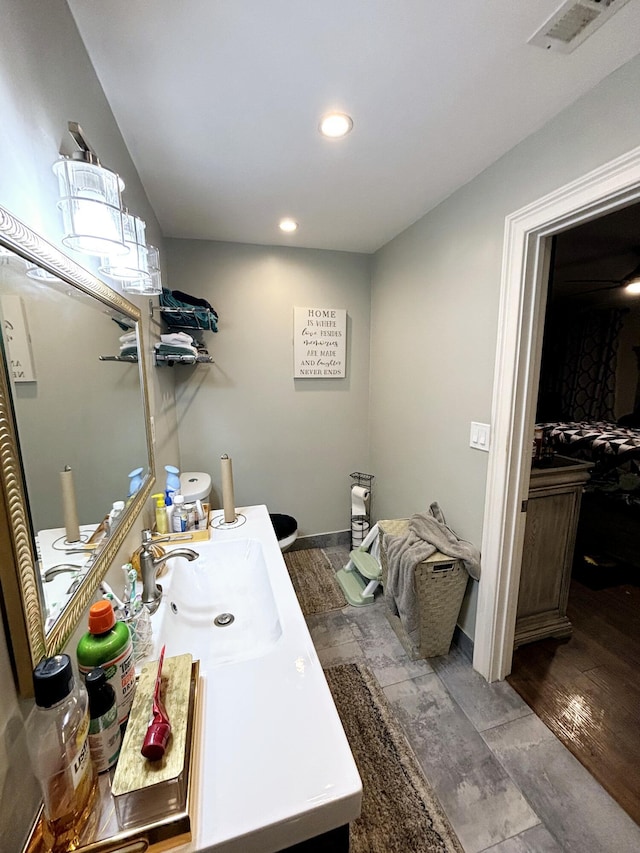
(223, 619)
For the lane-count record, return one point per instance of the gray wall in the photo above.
(435, 291)
(47, 80)
(433, 321)
(293, 442)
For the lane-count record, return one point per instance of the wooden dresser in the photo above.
(553, 507)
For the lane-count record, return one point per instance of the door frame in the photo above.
(525, 268)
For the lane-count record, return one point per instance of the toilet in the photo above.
(286, 529)
(195, 486)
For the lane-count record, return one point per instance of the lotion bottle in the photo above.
(58, 742)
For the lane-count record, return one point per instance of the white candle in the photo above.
(228, 498)
(69, 506)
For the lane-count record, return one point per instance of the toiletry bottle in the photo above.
(116, 511)
(57, 739)
(179, 515)
(108, 644)
(172, 486)
(200, 516)
(105, 737)
(190, 510)
(162, 524)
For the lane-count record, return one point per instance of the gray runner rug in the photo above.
(400, 812)
(314, 581)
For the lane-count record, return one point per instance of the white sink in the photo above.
(219, 608)
(274, 765)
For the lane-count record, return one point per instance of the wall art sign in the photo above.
(319, 343)
(17, 339)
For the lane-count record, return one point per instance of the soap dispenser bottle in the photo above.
(162, 522)
(58, 743)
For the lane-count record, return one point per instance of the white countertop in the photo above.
(274, 766)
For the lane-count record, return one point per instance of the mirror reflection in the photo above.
(79, 413)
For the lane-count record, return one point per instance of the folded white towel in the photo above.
(129, 338)
(177, 338)
(177, 349)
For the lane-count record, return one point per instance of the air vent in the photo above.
(574, 21)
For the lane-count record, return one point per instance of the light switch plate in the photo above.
(480, 436)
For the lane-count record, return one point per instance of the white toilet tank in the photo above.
(195, 486)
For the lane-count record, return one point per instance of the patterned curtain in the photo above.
(588, 373)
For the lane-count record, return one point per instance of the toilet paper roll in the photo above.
(228, 497)
(359, 531)
(69, 506)
(359, 500)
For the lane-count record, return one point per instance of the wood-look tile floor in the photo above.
(505, 781)
(587, 690)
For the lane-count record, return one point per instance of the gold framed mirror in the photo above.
(62, 404)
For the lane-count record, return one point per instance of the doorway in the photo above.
(584, 687)
(527, 247)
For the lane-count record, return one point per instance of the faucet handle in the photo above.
(149, 539)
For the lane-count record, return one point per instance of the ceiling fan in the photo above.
(630, 281)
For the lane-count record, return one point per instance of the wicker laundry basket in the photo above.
(440, 583)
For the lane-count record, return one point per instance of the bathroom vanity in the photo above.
(273, 766)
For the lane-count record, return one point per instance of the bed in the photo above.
(610, 514)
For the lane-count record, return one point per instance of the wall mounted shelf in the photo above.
(159, 360)
(196, 319)
(131, 359)
(170, 360)
(196, 323)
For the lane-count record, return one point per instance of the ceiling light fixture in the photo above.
(335, 125)
(288, 225)
(38, 273)
(131, 270)
(90, 200)
(153, 255)
(147, 285)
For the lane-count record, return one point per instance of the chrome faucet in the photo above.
(149, 565)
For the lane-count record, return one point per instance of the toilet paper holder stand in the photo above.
(361, 488)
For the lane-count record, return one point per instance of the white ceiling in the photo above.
(218, 102)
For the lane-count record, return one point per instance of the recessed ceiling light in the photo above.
(335, 125)
(288, 225)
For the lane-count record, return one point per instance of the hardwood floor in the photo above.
(587, 690)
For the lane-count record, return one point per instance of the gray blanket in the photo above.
(428, 532)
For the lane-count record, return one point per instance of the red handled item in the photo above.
(157, 736)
